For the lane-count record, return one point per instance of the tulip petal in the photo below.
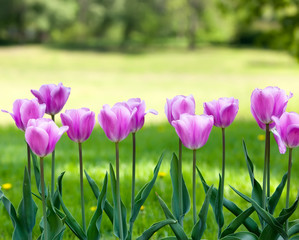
(108, 120)
(38, 140)
(228, 114)
(87, 124)
(293, 136)
(59, 95)
(30, 110)
(66, 120)
(281, 146)
(38, 95)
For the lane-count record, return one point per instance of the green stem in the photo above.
(265, 178)
(53, 167)
(133, 179)
(268, 161)
(289, 184)
(81, 187)
(118, 192)
(180, 182)
(194, 187)
(223, 173)
(29, 161)
(43, 197)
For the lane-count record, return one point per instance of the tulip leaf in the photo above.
(273, 200)
(116, 222)
(229, 205)
(71, 221)
(144, 192)
(201, 224)
(95, 189)
(56, 201)
(37, 175)
(295, 238)
(176, 227)
(272, 233)
(236, 223)
(241, 236)
(169, 238)
(267, 217)
(154, 228)
(293, 230)
(175, 194)
(55, 224)
(27, 209)
(93, 231)
(219, 205)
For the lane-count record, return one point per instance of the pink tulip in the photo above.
(287, 131)
(224, 111)
(80, 122)
(179, 105)
(24, 110)
(116, 121)
(266, 103)
(193, 130)
(42, 135)
(54, 96)
(137, 121)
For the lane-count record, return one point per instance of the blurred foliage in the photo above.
(126, 23)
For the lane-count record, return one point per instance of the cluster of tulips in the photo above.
(268, 108)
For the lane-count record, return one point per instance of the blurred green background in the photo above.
(109, 51)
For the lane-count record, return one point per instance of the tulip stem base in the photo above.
(53, 167)
(81, 187)
(194, 187)
(288, 185)
(133, 178)
(43, 197)
(118, 192)
(29, 161)
(180, 182)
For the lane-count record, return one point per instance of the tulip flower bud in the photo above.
(42, 135)
(116, 121)
(287, 131)
(193, 130)
(80, 122)
(224, 111)
(266, 103)
(24, 110)
(54, 96)
(178, 105)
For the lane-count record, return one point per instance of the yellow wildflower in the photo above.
(142, 208)
(162, 174)
(6, 186)
(261, 137)
(93, 208)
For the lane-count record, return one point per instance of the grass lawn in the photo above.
(98, 78)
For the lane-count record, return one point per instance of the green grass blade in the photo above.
(273, 200)
(154, 228)
(201, 224)
(175, 194)
(176, 227)
(93, 231)
(145, 191)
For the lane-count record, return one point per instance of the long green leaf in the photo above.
(175, 188)
(201, 224)
(93, 231)
(145, 191)
(95, 189)
(154, 228)
(27, 209)
(273, 200)
(116, 226)
(295, 238)
(56, 201)
(237, 222)
(229, 205)
(241, 236)
(176, 227)
(264, 214)
(19, 229)
(55, 224)
(71, 221)
(37, 175)
(219, 205)
(293, 230)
